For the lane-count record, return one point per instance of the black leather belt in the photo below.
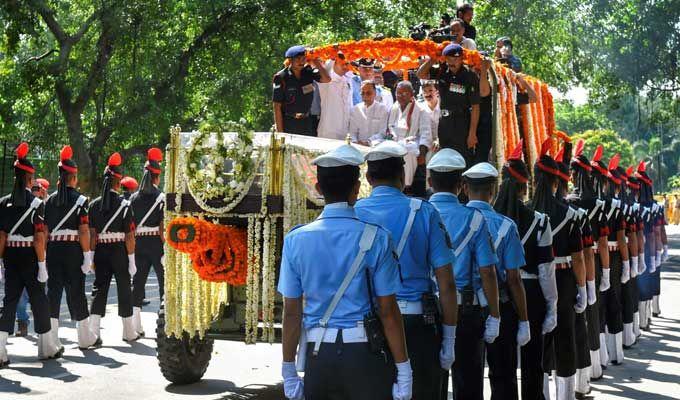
(297, 115)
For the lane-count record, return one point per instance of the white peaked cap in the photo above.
(446, 160)
(341, 156)
(481, 170)
(386, 149)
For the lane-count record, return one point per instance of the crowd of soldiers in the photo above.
(411, 291)
(48, 244)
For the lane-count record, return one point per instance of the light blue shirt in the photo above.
(510, 251)
(479, 251)
(316, 258)
(427, 248)
(355, 82)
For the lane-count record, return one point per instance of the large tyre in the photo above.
(182, 361)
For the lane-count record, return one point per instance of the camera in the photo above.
(420, 31)
(424, 31)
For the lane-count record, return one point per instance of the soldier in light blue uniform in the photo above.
(475, 275)
(345, 269)
(424, 251)
(482, 180)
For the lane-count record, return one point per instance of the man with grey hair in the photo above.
(409, 124)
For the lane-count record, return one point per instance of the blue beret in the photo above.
(295, 51)
(453, 50)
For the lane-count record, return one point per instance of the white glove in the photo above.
(664, 255)
(592, 294)
(659, 254)
(86, 266)
(447, 355)
(293, 386)
(642, 265)
(605, 284)
(42, 272)
(652, 268)
(523, 333)
(132, 267)
(550, 321)
(163, 260)
(625, 273)
(2, 269)
(492, 327)
(403, 389)
(581, 300)
(634, 267)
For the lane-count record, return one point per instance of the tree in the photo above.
(611, 142)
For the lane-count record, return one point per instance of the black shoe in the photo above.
(616, 362)
(97, 343)
(145, 302)
(4, 364)
(133, 340)
(597, 378)
(58, 354)
(23, 329)
(656, 314)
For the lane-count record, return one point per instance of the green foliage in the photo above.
(674, 183)
(611, 142)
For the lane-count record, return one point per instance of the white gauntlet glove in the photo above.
(447, 355)
(523, 333)
(86, 266)
(491, 330)
(293, 387)
(42, 272)
(664, 254)
(403, 388)
(625, 272)
(550, 321)
(654, 260)
(581, 300)
(642, 265)
(2, 269)
(592, 294)
(605, 284)
(659, 254)
(132, 267)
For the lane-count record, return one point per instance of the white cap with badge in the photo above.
(386, 149)
(341, 156)
(481, 171)
(446, 160)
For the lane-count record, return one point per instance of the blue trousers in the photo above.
(22, 314)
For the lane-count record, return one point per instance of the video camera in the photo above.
(424, 31)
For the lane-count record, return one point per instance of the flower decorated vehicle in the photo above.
(232, 194)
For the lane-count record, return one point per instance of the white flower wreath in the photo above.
(221, 169)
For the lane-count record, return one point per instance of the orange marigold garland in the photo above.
(218, 253)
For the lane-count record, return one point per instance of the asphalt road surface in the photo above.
(130, 371)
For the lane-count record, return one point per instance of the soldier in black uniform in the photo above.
(112, 239)
(68, 251)
(560, 345)
(147, 207)
(22, 250)
(538, 275)
(129, 185)
(294, 92)
(584, 197)
(459, 93)
(583, 362)
(633, 185)
(619, 264)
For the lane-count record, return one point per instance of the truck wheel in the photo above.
(184, 360)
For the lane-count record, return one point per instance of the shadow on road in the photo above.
(259, 392)
(202, 388)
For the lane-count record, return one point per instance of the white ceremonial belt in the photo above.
(146, 229)
(349, 335)
(19, 238)
(111, 236)
(64, 232)
(562, 260)
(410, 307)
(525, 275)
(613, 246)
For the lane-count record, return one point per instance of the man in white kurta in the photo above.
(336, 102)
(410, 124)
(368, 120)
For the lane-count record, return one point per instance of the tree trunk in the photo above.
(87, 164)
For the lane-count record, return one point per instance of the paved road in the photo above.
(130, 371)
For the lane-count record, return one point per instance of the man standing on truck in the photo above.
(348, 342)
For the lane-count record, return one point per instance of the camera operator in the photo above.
(459, 94)
(504, 55)
(466, 12)
(458, 35)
